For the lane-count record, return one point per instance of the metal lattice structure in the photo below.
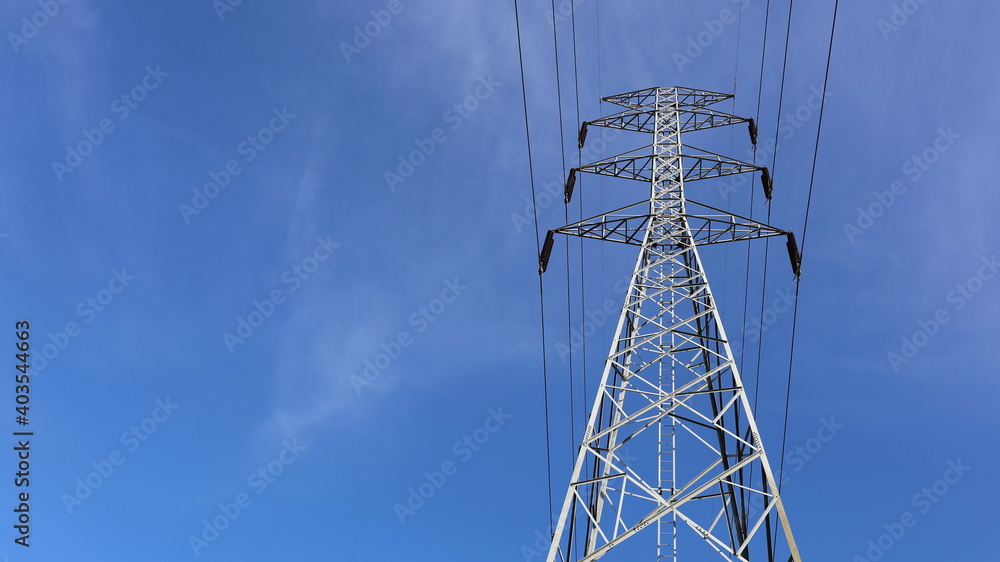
(670, 380)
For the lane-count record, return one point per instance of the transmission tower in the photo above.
(670, 382)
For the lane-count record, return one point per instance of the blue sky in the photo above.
(280, 138)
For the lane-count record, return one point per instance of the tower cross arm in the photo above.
(722, 226)
(702, 164)
(614, 226)
(698, 165)
(687, 98)
(705, 118)
(643, 120)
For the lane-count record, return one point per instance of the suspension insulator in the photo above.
(543, 259)
(753, 131)
(793, 254)
(583, 134)
(570, 183)
(767, 181)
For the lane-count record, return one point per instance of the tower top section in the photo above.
(687, 98)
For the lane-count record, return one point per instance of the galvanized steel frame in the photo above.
(670, 365)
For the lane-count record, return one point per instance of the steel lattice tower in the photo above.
(670, 381)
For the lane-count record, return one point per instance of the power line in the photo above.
(538, 249)
(569, 288)
(805, 225)
(579, 159)
(774, 167)
(732, 144)
(753, 185)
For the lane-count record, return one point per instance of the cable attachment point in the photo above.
(793, 254)
(570, 183)
(543, 259)
(767, 181)
(583, 134)
(753, 131)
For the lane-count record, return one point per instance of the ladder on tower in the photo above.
(667, 460)
(667, 544)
